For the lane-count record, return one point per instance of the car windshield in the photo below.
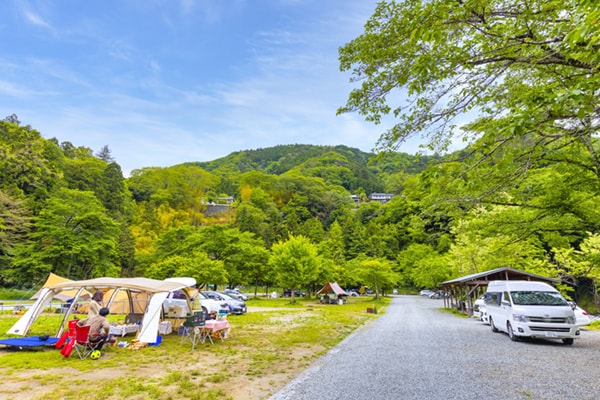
(533, 298)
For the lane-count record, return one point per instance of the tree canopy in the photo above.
(523, 68)
(295, 262)
(517, 82)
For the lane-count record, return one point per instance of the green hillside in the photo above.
(340, 165)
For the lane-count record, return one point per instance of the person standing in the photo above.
(95, 303)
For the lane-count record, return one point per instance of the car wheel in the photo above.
(511, 334)
(494, 329)
(568, 341)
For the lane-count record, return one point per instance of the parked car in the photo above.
(426, 292)
(437, 295)
(581, 316)
(236, 294)
(211, 305)
(297, 293)
(479, 310)
(235, 306)
(177, 298)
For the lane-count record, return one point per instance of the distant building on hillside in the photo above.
(213, 209)
(225, 200)
(223, 205)
(381, 197)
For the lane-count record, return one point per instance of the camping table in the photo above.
(211, 328)
(216, 328)
(122, 330)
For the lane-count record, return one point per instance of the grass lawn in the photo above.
(266, 348)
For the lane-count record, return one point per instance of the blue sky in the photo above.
(163, 82)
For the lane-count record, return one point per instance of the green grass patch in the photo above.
(15, 294)
(280, 340)
(454, 311)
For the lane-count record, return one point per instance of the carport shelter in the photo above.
(140, 295)
(465, 290)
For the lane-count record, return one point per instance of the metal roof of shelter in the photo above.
(498, 274)
(469, 286)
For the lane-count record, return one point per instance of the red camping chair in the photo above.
(69, 333)
(82, 345)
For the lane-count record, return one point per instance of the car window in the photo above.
(493, 298)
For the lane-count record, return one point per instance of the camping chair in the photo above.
(194, 328)
(223, 312)
(83, 346)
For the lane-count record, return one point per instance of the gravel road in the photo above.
(417, 351)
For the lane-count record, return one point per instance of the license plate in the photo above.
(551, 334)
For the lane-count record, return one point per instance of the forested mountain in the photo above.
(68, 211)
(355, 170)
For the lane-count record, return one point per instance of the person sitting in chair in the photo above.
(99, 328)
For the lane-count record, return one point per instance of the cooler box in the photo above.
(165, 328)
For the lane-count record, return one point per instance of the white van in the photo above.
(530, 309)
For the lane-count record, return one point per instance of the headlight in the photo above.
(571, 320)
(520, 318)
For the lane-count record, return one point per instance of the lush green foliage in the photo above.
(295, 263)
(516, 80)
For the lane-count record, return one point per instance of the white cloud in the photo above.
(13, 90)
(36, 19)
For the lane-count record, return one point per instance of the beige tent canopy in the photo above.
(332, 293)
(130, 291)
(332, 288)
(65, 295)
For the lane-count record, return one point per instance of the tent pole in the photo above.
(69, 312)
